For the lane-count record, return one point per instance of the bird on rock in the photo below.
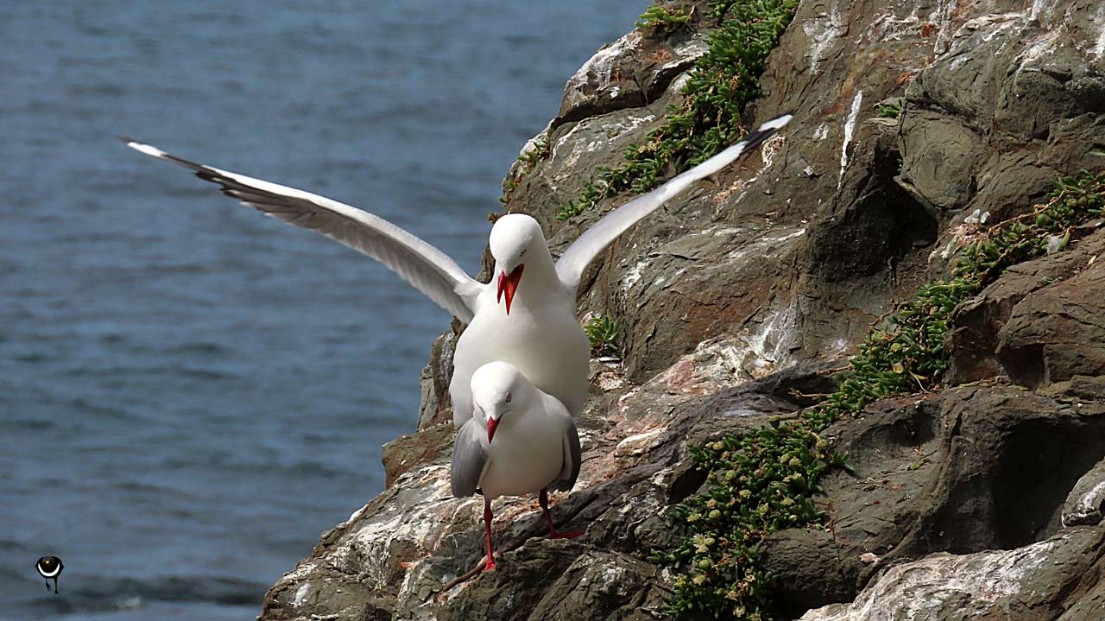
(526, 315)
(519, 441)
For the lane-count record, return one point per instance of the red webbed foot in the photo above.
(568, 535)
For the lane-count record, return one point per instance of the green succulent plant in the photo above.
(602, 331)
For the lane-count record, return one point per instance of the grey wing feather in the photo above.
(572, 458)
(469, 459)
(575, 259)
(423, 266)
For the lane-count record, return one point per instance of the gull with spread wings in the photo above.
(525, 316)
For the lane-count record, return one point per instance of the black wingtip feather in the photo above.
(756, 137)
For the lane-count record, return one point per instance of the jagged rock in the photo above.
(941, 155)
(967, 470)
(591, 585)
(436, 407)
(973, 342)
(1087, 499)
(1009, 460)
(629, 73)
(1024, 584)
(979, 119)
(416, 449)
(1057, 332)
(736, 293)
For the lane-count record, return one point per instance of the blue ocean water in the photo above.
(190, 392)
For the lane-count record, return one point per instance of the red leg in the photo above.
(544, 500)
(553, 534)
(487, 527)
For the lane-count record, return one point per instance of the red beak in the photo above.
(491, 424)
(508, 285)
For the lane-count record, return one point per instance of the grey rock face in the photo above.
(738, 297)
(1057, 332)
(1013, 585)
(973, 344)
(1087, 499)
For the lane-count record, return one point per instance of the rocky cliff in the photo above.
(918, 126)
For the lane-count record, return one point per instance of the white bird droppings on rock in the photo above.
(1099, 48)
(373, 541)
(633, 275)
(1088, 508)
(301, 594)
(600, 68)
(822, 31)
(768, 245)
(941, 18)
(912, 589)
(849, 130)
(638, 444)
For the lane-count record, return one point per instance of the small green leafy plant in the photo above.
(602, 331)
(757, 483)
(890, 110)
(664, 21)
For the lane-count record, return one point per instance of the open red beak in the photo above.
(491, 424)
(508, 284)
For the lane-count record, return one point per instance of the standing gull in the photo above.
(519, 441)
(530, 323)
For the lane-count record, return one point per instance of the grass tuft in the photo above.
(602, 331)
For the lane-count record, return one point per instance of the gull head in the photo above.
(498, 388)
(515, 238)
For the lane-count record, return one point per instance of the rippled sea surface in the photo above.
(190, 393)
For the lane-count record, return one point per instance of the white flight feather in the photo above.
(426, 268)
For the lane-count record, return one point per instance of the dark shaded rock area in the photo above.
(742, 297)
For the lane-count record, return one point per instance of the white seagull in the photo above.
(530, 323)
(519, 441)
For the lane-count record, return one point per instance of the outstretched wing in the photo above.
(469, 459)
(575, 259)
(425, 267)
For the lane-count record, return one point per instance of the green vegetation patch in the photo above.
(758, 482)
(889, 110)
(722, 81)
(663, 21)
(905, 353)
(765, 480)
(602, 331)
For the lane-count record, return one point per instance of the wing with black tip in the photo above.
(425, 267)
